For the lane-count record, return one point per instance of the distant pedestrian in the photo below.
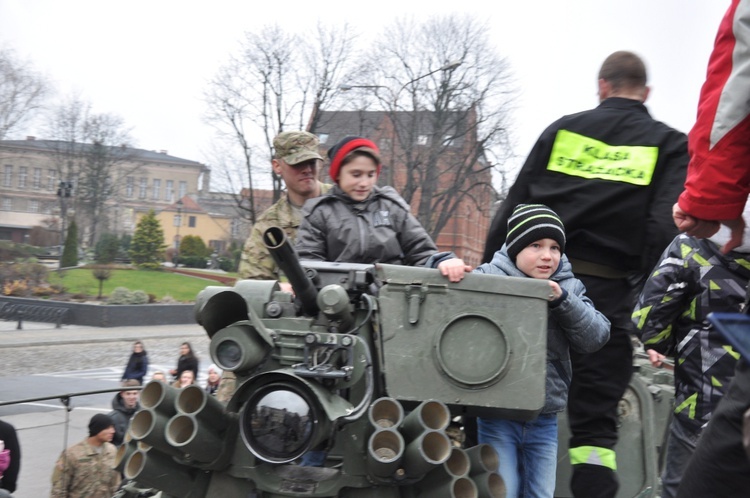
(187, 361)
(137, 364)
(86, 469)
(9, 475)
(187, 378)
(214, 376)
(159, 375)
(124, 406)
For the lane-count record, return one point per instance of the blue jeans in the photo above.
(527, 452)
(681, 445)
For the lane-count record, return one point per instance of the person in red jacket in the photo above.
(716, 191)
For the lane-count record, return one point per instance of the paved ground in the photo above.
(41, 348)
(40, 359)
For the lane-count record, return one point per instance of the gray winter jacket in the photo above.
(573, 322)
(380, 229)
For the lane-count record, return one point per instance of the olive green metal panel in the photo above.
(480, 343)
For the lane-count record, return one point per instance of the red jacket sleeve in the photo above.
(718, 178)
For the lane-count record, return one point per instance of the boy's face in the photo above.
(357, 177)
(539, 259)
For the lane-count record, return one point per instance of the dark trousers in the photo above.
(599, 382)
(720, 467)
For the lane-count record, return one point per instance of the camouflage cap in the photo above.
(294, 147)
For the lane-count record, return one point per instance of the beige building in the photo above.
(187, 217)
(41, 182)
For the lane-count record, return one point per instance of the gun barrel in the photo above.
(285, 256)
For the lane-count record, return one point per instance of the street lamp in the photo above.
(177, 223)
(64, 190)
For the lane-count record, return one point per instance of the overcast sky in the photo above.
(149, 61)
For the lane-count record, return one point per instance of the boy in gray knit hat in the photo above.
(534, 248)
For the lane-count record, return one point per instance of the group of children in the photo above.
(359, 222)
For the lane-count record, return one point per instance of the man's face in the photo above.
(129, 398)
(300, 178)
(106, 435)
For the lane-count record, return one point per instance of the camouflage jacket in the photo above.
(83, 472)
(256, 262)
(693, 279)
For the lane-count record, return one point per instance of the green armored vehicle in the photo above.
(365, 366)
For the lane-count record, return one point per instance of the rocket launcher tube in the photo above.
(490, 485)
(431, 415)
(160, 471)
(385, 413)
(457, 487)
(198, 440)
(483, 458)
(385, 449)
(159, 397)
(193, 400)
(427, 451)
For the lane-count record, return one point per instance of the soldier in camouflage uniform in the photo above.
(86, 470)
(297, 161)
(693, 279)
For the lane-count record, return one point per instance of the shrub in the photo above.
(121, 295)
(147, 245)
(193, 245)
(18, 288)
(107, 248)
(193, 261)
(139, 297)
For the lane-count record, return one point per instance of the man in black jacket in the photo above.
(124, 406)
(612, 173)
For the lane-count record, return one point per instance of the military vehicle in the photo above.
(365, 367)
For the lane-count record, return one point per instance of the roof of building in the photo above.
(57, 146)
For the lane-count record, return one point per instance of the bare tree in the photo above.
(22, 92)
(108, 161)
(448, 94)
(273, 84)
(93, 157)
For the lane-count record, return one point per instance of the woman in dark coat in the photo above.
(137, 364)
(187, 361)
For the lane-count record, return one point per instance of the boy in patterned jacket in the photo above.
(692, 280)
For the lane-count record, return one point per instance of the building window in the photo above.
(169, 191)
(423, 140)
(156, 190)
(33, 206)
(23, 175)
(36, 181)
(129, 187)
(48, 207)
(143, 189)
(51, 179)
(183, 190)
(385, 144)
(7, 204)
(191, 221)
(323, 137)
(448, 141)
(8, 176)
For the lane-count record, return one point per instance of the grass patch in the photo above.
(182, 288)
